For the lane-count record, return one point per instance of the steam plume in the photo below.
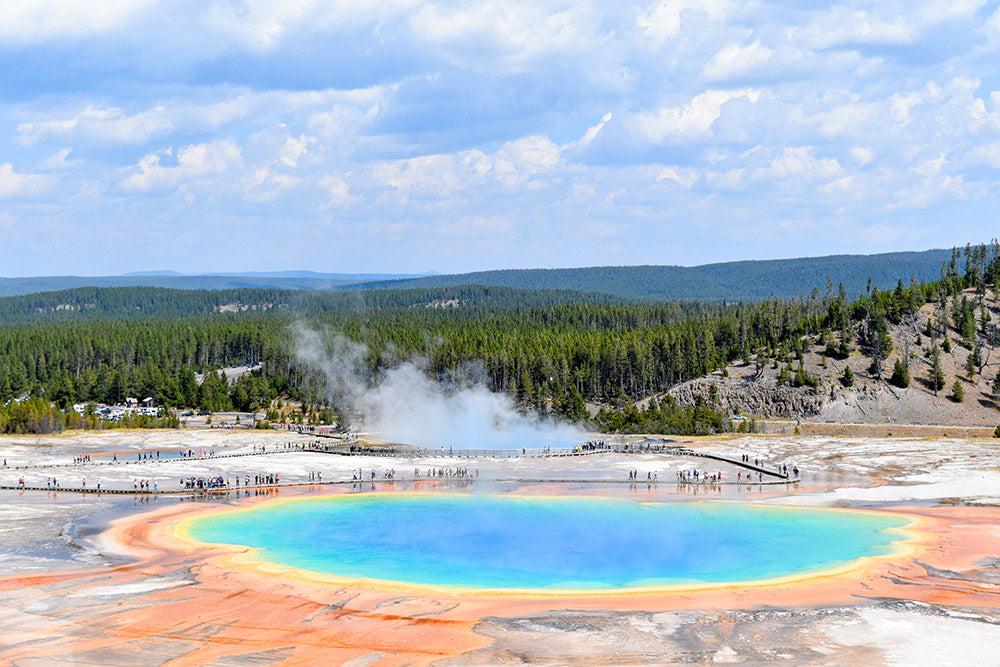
(403, 404)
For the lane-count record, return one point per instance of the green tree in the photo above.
(900, 376)
(957, 391)
(937, 373)
(847, 378)
(974, 362)
(804, 379)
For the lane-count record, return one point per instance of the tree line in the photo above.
(552, 357)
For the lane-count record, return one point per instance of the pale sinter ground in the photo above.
(40, 532)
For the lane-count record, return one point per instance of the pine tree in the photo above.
(900, 376)
(957, 391)
(972, 363)
(937, 373)
(847, 379)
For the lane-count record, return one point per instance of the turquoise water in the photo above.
(551, 542)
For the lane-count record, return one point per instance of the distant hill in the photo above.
(107, 303)
(751, 280)
(289, 280)
(344, 277)
(747, 280)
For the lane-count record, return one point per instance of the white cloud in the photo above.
(799, 163)
(862, 156)
(16, 185)
(294, 148)
(509, 34)
(992, 27)
(58, 162)
(32, 21)
(111, 125)
(514, 165)
(103, 124)
(735, 60)
(591, 133)
(194, 162)
(685, 177)
(691, 121)
(337, 190)
(530, 155)
(265, 185)
(425, 176)
(663, 21)
(883, 23)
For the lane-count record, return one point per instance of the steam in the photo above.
(403, 404)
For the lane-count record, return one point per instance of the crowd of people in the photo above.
(459, 472)
(695, 475)
(591, 445)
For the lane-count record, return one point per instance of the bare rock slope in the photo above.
(871, 399)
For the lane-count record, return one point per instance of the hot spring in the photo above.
(554, 543)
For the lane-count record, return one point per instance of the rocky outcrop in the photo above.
(761, 397)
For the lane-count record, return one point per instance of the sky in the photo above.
(406, 136)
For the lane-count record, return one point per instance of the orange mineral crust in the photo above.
(183, 603)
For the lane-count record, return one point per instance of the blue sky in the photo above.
(408, 136)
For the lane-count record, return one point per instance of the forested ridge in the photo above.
(101, 303)
(752, 280)
(748, 280)
(550, 358)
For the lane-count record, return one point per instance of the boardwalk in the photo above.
(389, 451)
(580, 450)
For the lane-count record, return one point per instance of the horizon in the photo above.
(431, 273)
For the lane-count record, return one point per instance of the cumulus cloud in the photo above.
(510, 34)
(889, 23)
(99, 124)
(59, 161)
(663, 20)
(735, 60)
(337, 189)
(685, 177)
(688, 122)
(193, 162)
(17, 185)
(799, 162)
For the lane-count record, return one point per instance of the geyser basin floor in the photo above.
(551, 543)
(941, 599)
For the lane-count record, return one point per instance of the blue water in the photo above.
(552, 542)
